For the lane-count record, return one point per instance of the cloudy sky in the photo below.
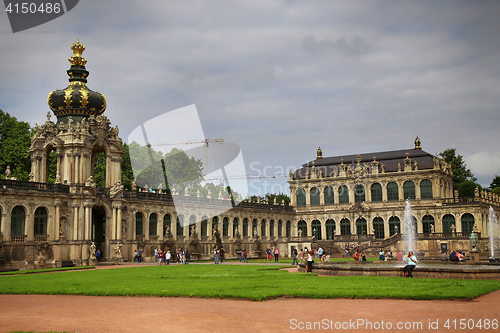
(280, 78)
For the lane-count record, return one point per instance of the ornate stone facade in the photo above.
(337, 199)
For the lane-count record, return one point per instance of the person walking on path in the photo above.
(294, 254)
(167, 257)
(187, 256)
(276, 254)
(245, 254)
(412, 263)
(216, 255)
(268, 254)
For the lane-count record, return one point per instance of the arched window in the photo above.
(192, 220)
(40, 224)
(330, 229)
(204, 226)
(343, 194)
(302, 225)
(288, 228)
(314, 196)
(215, 222)
(153, 223)
(467, 222)
(409, 190)
(378, 227)
(263, 228)
(427, 221)
(236, 225)
(426, 189)
(138, 224)
(245, 227)
(345, 227)
(394, 225)
(376, 189)
(392, 192)
(180, 223)
(448, 221)
(17, 221)
(301, 197)
(225, 227)
(359, 193)
(316, 229)
(329, 195)
(167, 222)
(361, 226)
(280, 228)
(271, 228)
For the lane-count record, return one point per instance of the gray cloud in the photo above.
(355, 46)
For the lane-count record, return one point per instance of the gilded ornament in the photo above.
(67, 97)
(84, 96)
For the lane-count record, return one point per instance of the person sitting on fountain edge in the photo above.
(412, 263)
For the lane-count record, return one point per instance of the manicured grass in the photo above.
(237, 281)
(34, 271)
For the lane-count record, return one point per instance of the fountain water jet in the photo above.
(409, 229)
(493, 231)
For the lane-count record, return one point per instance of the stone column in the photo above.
(119, 223)
(160, 229)
(145, 227)
(113, 222)
(56, 222)
(401, 192)
(29, 226)
(173, 226)
(230, 228)
(321, 196)
(386, 229)
(75, 222)
(323, 229)
(209, 229)
(6, 226)
(418, 195)
(337, 226)
(384, 192)
(276, 229)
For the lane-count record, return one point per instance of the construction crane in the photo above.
(190, 142)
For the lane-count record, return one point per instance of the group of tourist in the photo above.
(219, 255)
(163, 257)
(269, 253)
(242, 254)
(384, 255)
(138, 256)
(359, 257)
(457, 256)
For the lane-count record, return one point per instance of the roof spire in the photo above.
(417, 143)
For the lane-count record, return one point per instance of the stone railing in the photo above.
(41, 238)
(7, 184)
(18, 238)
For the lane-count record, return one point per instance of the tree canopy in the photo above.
(15, 140)
(460, 171)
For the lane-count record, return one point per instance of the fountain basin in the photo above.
(442, 270)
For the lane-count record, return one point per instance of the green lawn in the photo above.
(253, 282)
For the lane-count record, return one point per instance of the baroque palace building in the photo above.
(354, 198)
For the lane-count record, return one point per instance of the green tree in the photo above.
(495, 183)
(460, 171)
(127, 172)
(100, 169)
(15, 140)
(467, 188)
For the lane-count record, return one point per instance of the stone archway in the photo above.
(98, 231)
